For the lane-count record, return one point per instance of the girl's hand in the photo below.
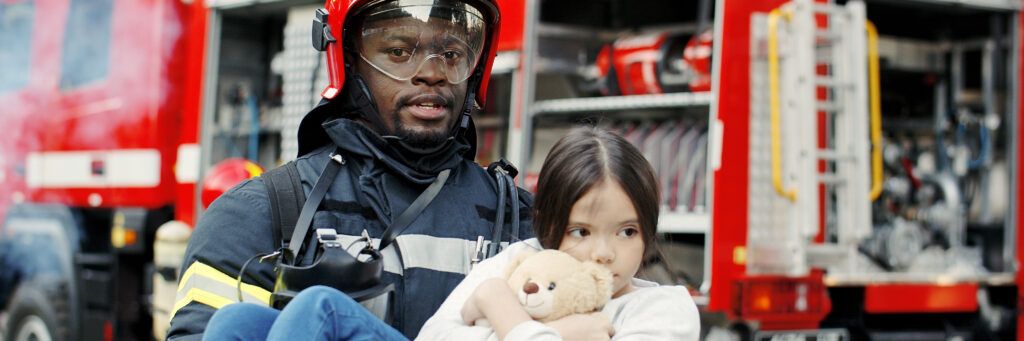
(496, 302)
(593, 326)
(471, 312)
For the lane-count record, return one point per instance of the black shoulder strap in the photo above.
(414, 210)
(286, 198)
(309, 208)
(504, 174)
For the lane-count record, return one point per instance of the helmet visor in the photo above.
(405, 37)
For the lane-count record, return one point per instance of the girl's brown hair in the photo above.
(582, 159)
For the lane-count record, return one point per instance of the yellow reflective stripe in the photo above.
(253, 169)
(204, 284)
(206, 271)
(200, 296)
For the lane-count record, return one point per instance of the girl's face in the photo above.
(604, 228)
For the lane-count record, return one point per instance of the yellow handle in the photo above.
(876, 112)
(773, 84)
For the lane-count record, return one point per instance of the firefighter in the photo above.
(404, 76)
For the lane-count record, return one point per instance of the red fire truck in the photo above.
(857, 161)
(115, 109)
(885, 203)
(101, 107)
(834, 182)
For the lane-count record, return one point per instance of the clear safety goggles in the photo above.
(401, 38)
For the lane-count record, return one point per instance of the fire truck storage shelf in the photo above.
(975, 4)
(618, 103)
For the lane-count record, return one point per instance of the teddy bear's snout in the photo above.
(530, 288)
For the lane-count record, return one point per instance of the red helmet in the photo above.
(655, 63)
(698, 56)
(329, 35)
(225, 175)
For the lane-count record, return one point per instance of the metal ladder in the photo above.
(822, 69)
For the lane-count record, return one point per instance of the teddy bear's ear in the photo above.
(516, 260)
(602, 278)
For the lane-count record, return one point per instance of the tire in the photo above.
(38, 311)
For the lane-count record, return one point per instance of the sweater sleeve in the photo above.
(532, 330)
(660, 313)
(446, 324)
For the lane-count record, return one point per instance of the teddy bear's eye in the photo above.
(552, 286)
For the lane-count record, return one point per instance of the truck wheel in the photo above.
(38, 312)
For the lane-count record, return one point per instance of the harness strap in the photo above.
(414, 210)
(504, 173)
(499, 217)
(514, 193)
(286, 198)
(323, 183)
(301, 228)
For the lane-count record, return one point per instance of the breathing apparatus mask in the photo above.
(358, 276)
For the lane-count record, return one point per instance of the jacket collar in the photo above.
(357, 139)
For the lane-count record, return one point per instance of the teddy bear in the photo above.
(551, 284)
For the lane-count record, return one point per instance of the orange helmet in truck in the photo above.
(225, 175)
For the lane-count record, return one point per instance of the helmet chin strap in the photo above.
(361, 101)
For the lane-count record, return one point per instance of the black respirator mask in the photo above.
(362, 273)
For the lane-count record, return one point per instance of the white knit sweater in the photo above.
(650, 312)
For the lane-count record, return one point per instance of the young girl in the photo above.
(597, 200)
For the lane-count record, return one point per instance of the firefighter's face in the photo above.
(416, 72)
(604, 228)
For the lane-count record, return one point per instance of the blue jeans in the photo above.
(317, 313)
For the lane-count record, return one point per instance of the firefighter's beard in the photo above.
(422, 139)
